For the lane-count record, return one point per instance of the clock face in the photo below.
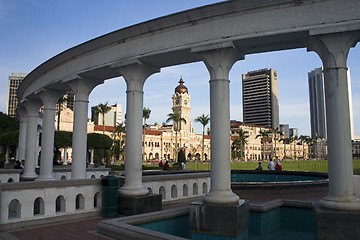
(177, 101)
(185, 102)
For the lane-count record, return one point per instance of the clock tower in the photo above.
(181, 104)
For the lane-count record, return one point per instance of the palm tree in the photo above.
(59, 105)
(146, 115)
(285, 142)
(204, 120)
(242, 141)
(263, 134)
(275, 132)
(294, 140)
(103, 109)
(303, 139)
(117, 138)
(176, 118)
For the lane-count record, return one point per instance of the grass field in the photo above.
(300, 165)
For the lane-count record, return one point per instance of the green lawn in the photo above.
(300, 165)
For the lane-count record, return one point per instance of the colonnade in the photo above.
(332, 49)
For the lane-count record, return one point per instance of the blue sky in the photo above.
(33, 31)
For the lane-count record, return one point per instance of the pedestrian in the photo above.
(271, 165)
(278, 166)
(259, 167)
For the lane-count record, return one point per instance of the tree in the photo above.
(176, 118)
(99, 142)
(118, 143)
(275, 132)
(60, 103)
(146, 115)
(204, 120)
(285, 142)
(264, 135)
(238, 146)
(303, 139)
(293, 139)
(103, 109)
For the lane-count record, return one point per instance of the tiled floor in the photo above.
(86, 228)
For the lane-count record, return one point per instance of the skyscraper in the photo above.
(260, 98)
(317, 103)
(14, 81)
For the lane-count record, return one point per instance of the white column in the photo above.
(32, 109)
(135, 76)
(81, 88)
(49, 99)
(22, 115)
(219, 61)
(333, 50)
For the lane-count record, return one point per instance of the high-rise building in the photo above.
(317, 103)
(293, 132)
(14, 81)
(285, 129)
(260, 98)
(112, 118)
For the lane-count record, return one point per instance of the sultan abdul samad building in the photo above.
(160, 140)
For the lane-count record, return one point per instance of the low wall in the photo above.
(24, 203)
(9, 175)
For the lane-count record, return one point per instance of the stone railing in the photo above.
(32, 203)
(24, 203)
(9, 175)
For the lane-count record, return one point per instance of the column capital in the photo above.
(21, 111)
(135, 74)
(32, 107)
(333, 48)
(49, 98)
(82, 87)
(218, 58)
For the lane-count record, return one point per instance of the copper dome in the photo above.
(181, 88)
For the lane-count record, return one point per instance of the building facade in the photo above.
(14, 81)
(317, 103)
(260, 98)
(112, 117)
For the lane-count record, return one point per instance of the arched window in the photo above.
(173, 191)
(195, 189)
(97, 200)
(79, 202)
(204, 186)
(185, 190)
(63, 177)
(60, 204)
(162, 191)
(93, 176)
(14, 209)
(39, 206)
(10, 180)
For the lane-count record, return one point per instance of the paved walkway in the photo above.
(86, 228)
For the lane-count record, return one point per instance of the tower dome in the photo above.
(181, 88)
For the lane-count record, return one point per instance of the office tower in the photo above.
(112, 118)
(260, 98)
(284, 128)
(317, 103)
(14, 81)
(293, 132)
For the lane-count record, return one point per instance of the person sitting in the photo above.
(166, 166)
(271, 165)
(17, 165)
(161, 164)
(278, 166)
(259, 167)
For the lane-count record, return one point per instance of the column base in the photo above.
(348, 204)
(226, 221)
(131, 205)
(46, 178)
(222, 198)
(336, 224)
(28, 177)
